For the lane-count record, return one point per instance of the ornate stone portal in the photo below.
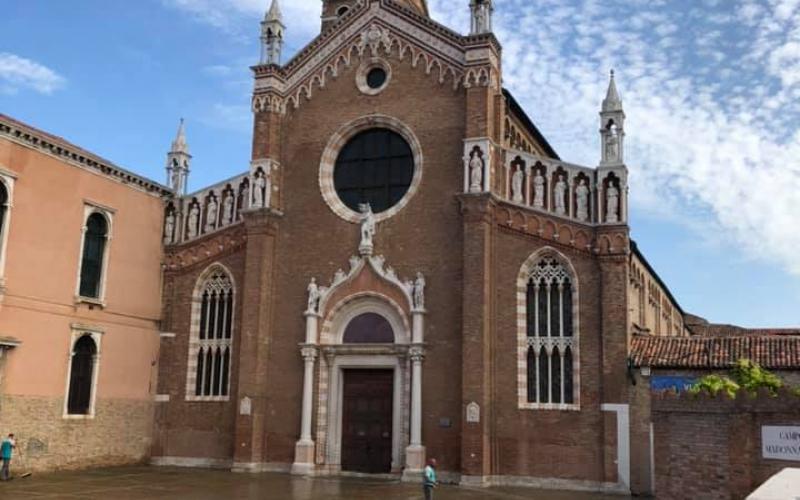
(328, 312)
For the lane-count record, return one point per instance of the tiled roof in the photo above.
(772, 352)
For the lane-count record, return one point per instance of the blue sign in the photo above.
(671, 383)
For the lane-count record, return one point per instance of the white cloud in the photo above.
(17, 72)
(712, 96)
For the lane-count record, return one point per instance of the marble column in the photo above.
(304, 448)
(415, 452)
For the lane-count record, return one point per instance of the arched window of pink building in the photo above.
(81, 376)
(94, 247)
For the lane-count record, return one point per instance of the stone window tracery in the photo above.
(550, 341)
(211, 344)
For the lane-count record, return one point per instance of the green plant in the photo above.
(751, 377)
(714, 384)
(745, 375)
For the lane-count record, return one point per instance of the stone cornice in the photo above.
(60, 149)
(203, 250)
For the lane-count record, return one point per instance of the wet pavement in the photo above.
(139, 483)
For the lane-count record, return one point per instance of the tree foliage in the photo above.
(746, 375)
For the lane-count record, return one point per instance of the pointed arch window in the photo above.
(5, 216)
(93, 255)
(82, 375)
(212, 339)
(548, 337)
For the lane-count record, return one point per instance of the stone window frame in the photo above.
(522, 332)
(79, 331)
(340, 139)
(194, 334)
(364, 69)
(90, 208)
(7, 179)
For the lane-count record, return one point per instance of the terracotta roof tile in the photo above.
(772, 352)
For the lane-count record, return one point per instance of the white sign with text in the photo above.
(780, 443)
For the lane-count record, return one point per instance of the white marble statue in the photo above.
(313, 296)
(538, 190)
(194, 221)
(560, 191)
(516, 185)
(169, 228)
(612, 145)
(612, 204)
(582, 201)
(259, 185)
(268, 191)
(227, 209)
(212, 210)
(475, 174)
(419, 291)
(367, 229)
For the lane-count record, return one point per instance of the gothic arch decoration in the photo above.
(548, 334)
(211, 335)
(370, 36)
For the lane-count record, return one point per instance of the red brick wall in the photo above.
(710, 448)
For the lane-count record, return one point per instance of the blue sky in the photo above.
(711, 89)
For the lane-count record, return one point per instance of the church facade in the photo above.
(406, 270)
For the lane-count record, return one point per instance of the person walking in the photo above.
(429, 481)
(6, 451)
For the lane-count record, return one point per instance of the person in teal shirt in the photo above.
(429, 481)
(6, 451)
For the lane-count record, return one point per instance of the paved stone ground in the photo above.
(140, 483)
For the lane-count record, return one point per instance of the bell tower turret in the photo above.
(178, 161)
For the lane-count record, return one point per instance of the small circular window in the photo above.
(373, 76)
(376, 78)
(376, 167)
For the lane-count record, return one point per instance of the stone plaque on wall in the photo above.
(473, 413)
(780, 443)
(245, 406)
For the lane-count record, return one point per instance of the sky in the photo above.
(711, 89)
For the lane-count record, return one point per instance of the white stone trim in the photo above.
(623, 442)
(194, 333)
(335, 401)
(7, 179)
(523, 341)
(340, 139)
(78, 332)
(368, 65)
(90, 208)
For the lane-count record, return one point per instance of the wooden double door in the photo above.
(367, 421)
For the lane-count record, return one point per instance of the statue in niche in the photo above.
(582, 201)
(367, 228)
(169, 228)
(516, 185)
(419, 292)
(560, 198)
(211, 214)
(227, 209)
(538, 190)
(612, 144)
(476, 173)
(194, 221)
(612, 204)
(313, 296)
(259, 188)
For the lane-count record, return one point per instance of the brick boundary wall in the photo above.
(710, 447)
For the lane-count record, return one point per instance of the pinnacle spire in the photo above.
(612, 102)
(179, 144)
(274, 12)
